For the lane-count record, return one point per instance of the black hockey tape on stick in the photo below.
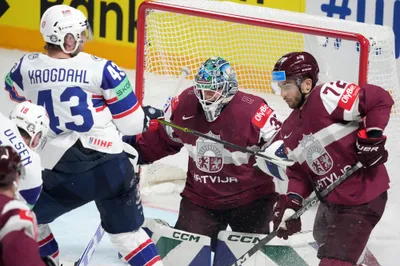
(306, 206)
(280, 161)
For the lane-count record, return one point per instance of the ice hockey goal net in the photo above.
(183, 33)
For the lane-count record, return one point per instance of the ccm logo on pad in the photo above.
(349, 96)
(262, 115)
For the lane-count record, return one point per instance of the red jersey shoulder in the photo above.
(340, 94)
(262, 114)
(246, 100)
(349, 96)
(251, 106)
(184, 97)
(16, 206)
(22, 217)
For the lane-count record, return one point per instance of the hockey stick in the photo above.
(89, 250)
(185, 72)
(280, 161)
(306, 206)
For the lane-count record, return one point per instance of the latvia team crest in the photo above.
(210, 155)
(317, 158)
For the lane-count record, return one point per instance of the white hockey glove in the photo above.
(277, 169)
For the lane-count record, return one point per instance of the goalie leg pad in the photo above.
(48, 246)
(178, 247)
(136, 248)
(232, 245)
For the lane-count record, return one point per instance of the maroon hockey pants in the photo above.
(342, 232)
(251, 218)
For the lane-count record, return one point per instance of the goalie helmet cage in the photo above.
(177, 33)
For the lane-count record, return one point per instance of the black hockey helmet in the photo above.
(296, 66)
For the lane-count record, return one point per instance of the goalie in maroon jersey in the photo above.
(222, 186)
(332, 127)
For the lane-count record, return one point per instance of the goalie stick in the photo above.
(280, 161)
(185, 72)
(306, 206)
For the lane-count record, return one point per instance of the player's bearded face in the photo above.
(290, 93)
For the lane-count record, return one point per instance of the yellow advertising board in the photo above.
(113, 23)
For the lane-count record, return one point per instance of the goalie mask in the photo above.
(32, 119)
(215, 85)
(61, 20)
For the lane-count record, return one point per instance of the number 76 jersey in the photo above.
(86, 97)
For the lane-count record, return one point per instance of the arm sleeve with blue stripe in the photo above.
(118, 93)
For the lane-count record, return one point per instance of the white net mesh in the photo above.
(174, 40)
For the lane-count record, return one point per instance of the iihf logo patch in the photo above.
(99, 142)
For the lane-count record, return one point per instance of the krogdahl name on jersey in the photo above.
(57, 75)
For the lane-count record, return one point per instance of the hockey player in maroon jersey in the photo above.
(18, 227)
(222, 186)
(332, 127)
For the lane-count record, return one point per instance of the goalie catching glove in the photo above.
(151, 118)
(286, 206)
(370, 148)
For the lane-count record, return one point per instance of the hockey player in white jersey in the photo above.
(91, 104)
(26, 133)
